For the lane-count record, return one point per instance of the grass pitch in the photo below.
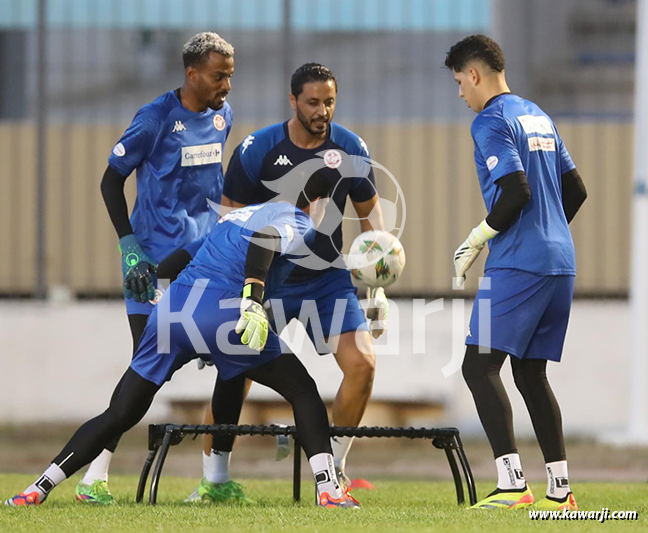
(393, 506)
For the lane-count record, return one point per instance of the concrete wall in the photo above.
(60, 362)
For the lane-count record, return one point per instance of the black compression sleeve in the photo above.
(574, 193)
(515, 195)
(112, 190)
(171, 266)
(263, 245)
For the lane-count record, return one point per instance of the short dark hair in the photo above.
(308, 73)
(317, 186)
(475, 48)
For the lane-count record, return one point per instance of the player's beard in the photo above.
(306, 123)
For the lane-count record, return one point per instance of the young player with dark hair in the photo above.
(532, 191)
(175, 144)
(248, 252)
(266, 157)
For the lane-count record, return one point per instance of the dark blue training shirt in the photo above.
(268, 155)
(221, 258)
(178, 157)
(512, 134)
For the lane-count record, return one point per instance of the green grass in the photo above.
(393, 506)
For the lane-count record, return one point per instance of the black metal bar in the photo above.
(157, 472)
(336, 431)
(297, 459)
(141, 486)
(465, 466)
(456, 475)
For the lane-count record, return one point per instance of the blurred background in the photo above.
(74, 72)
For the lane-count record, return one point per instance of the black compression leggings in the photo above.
(127, 407)
(226, 405)
(137, 324)
(285, 374)
(482, 374)
(288, 376)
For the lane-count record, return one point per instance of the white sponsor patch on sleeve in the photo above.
(119, 150)
(536, 124)
(491, 162)
(290, 234)
(546, 144)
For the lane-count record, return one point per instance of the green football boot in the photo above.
(506, 499)
(98, 493)
(219, 493)
(554, 504)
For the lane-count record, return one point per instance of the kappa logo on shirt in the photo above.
(247, 142)
(283, 160)
(179, 126)
(364, 146)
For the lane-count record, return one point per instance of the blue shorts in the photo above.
(528, 313)
(159, 355)
(318, 298)
(138, 308)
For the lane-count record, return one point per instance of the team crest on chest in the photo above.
(332, 158)
(219, 123)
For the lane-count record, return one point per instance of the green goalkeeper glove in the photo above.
(470, 249)
(253, 323)
(138, 270)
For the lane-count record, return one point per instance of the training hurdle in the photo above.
(162, 436)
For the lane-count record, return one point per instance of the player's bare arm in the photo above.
(370, 214)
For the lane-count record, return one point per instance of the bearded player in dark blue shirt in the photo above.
(309, 141)
(532, 191)
(175, 144)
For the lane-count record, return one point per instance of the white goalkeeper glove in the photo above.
(377, 311)
(469, 250)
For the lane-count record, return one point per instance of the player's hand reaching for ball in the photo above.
(470, 249)
(138, 270)
(253, 323)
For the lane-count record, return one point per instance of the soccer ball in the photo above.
(376, 258)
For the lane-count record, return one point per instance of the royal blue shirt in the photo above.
(512, 134)
(221, 258)
(178, 158)
(268, 155)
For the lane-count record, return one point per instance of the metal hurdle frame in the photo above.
(162, 436)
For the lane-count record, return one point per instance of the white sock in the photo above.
(341, 447)
(216, 466)
(98, 468)
(509, 472)
(324, 472)
(557, 480)
(44, 484)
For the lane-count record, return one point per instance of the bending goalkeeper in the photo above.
(248, 251)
